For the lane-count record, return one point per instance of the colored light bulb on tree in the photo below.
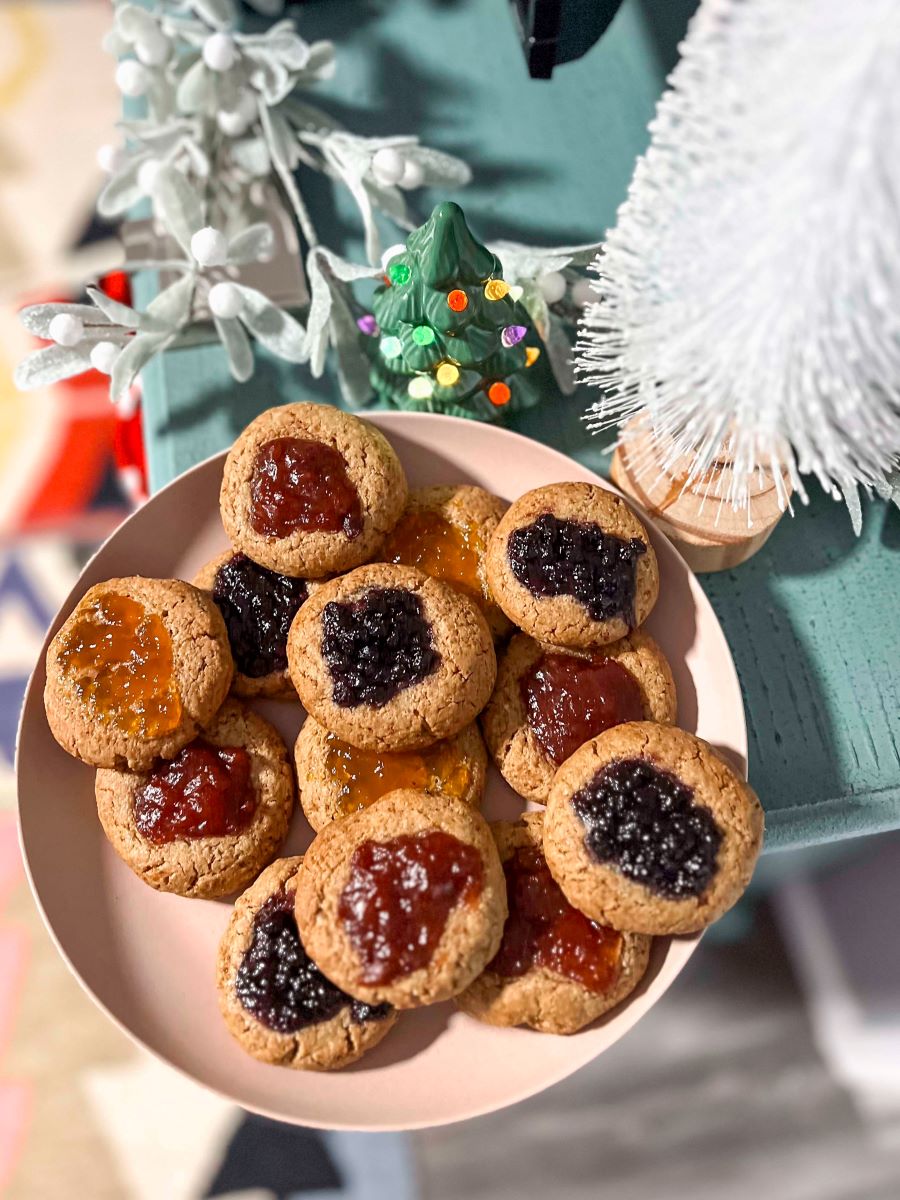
(513, 334)
(532, 354)
(399, 273)
(458, 300)
(496, 289)
(447, 375)
(367, 324)
(420, 387)
(499, 393)
(391, 347)
(423, 335)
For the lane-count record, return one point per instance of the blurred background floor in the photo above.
(772, 1066)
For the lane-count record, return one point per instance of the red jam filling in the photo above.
(544, 930)
(205, 791)
(395, 905)
(302, 484)
(570, 700)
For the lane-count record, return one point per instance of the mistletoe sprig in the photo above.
(229, 123)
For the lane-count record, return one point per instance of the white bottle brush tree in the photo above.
(747, 300)
(226, 115)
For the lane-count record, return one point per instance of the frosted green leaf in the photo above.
(237, 347)
(196, 91)
(350, 358)
(49, 365)
(37, 317)
(270, 77)
(178, 206)
(173, 306)
(251, 155)
(441, 170)
(306, 116)
(135, 356)
(268, 8)
(275, 329)
(112, 311)
(132, 23)
(122, 189)
(218, 13)
(521, 263)
(252, 244)
(320, 64)
(279, 138)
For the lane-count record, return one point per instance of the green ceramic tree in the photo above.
(446, 333)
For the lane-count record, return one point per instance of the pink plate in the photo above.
(148, 959)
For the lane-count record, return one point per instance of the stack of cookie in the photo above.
(379, 610)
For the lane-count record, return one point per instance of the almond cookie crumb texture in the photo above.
(388, 658)
(135, 671)
(309, 490)
(571, 565)
(648, 829)
(205, 823)
(404, 902)
(549, 701)
(276, 1002)
(336, 779)
(556, 970)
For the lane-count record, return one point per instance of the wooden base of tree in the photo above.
(710, 535)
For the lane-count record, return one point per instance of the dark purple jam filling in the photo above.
(551, 557)
(258, 606)
(643, 821)
(279, 984)
(376, 646)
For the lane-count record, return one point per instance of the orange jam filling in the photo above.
(365, 775)
(121, 658)
(441, 548)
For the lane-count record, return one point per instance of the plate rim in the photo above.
(384, 420)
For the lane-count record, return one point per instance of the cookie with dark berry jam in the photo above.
(258, 606)
(549, 701)
(276, 1002)
(403, 902)
(556, 969)
(571, 565)
(650, 830)
(389, 658)
(309, 490)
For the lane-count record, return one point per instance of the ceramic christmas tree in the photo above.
(447, 332)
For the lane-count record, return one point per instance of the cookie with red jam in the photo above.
(404, 902)
(335, 780)
(445, 533)
(135, 671)
(549, 701)
(205, 822)
(309, 490)
(571, 565)
(556, 970)
(276, 1002)
(257, 606)
(390, 659)
(649, 830)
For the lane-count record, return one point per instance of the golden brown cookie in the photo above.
(135, 671)
(335, 779)
(206, 822)
(309, 490)
(445, 533)
(556, 970)
(549, 701)
(257, 606)
(647, 829)
(275, 1001)
(571, 565)
(404, 902)
(390, 659)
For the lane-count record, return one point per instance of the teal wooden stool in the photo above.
(812, 620)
